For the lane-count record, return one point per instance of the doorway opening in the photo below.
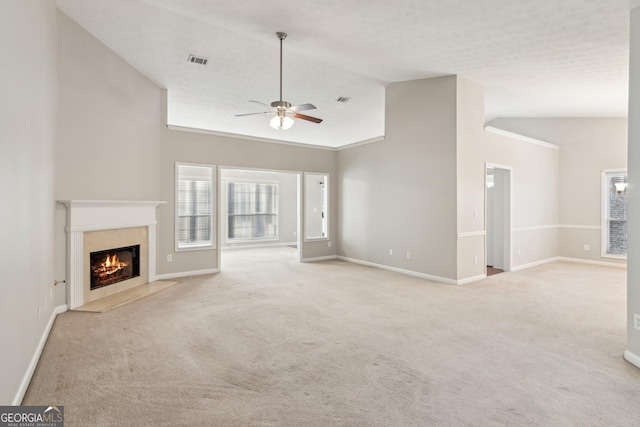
(259, 214)
(498, 218)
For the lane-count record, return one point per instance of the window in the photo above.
(194, 206)
(614, 218)
(316, 202)
(252, 212)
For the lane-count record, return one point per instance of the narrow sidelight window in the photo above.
(195, 206)
(614, 217)
(316, 210)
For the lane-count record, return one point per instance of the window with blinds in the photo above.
(252, 211)
(614, 216)
(195, 206)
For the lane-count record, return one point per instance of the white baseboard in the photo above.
(17, 400)
(592, 262)
(471, 279)
(186, 274)
(576, 260)
(401, 271)
(534, 264)
(632, 358)
(320, 258)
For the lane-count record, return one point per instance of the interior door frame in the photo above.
(508, 217)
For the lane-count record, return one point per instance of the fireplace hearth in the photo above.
(114, 265)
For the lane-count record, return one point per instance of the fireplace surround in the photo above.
(99, 225)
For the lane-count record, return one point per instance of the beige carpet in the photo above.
(272, 342)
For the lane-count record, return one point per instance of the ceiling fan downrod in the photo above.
(281, 36)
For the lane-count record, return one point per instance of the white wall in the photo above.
(287, 203)
(399, 193)
(27, 144)
(633, 273)
(588, 146)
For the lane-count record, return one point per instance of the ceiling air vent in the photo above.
(343, 99)
(198, 60)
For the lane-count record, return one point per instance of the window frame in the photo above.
(236, 241)
(213, 180)
(604, 241)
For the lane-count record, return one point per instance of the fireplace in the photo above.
(114, 265)
(95, 225)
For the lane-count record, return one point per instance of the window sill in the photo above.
(316, 239)
(243, 241)
(614, 256)
(195, 248)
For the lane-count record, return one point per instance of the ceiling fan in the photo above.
(283, 110)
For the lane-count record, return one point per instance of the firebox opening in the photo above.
(114, 265)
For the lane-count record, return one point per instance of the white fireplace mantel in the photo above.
(95, 215)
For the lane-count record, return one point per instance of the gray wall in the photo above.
(287, 204)
(109, 129)
(633, 274)
(201, 148)
(27, 143)
(421, 189)
(588, 146)
(106, 104)
(535, 188)
(399, 193)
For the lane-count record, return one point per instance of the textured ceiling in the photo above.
(543, 58)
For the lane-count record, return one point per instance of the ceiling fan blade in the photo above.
(302, 107)
(308, 118)
(253, 114)
(259, 102)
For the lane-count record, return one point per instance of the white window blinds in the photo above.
(194, 210)
(252, 210)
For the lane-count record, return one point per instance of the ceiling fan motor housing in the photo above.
(281, 104)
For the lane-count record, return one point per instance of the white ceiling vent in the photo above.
(198, 60)
(343, 99)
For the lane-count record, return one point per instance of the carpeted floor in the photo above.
(272, 342)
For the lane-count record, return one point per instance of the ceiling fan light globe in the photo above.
(281, 122)
(275, 122)
(287, 122)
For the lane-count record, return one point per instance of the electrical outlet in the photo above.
(586, 247)
(329, 243)
(636, 321)
(390, 251)
(519, 252)
(408, 255)
(169, 258)
(475, 259)
(39, 314)
(475, 214)
(295, 234)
